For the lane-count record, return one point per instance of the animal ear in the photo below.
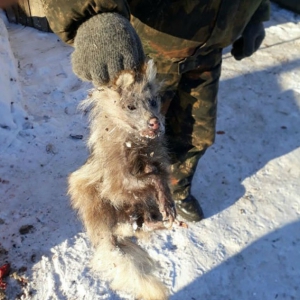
(124, 80)
(150, 71)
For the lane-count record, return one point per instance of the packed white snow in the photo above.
(248, 182)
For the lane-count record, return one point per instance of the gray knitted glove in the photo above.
(105, 45)
(249, 42)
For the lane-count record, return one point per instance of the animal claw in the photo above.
(180, 224)
(168, 223)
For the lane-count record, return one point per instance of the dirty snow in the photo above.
(248, 183)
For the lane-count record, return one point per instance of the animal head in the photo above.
(132, 103)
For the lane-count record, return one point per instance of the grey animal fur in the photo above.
(123, 189)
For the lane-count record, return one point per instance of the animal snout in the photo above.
(153, 124)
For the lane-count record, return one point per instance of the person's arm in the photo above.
(65, 16)
(262, 14)
(253, 34)
(105, 43)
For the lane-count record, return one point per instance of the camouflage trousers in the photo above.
(190, 106)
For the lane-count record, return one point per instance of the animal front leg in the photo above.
(164, 200)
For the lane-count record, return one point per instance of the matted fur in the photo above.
(123, 188)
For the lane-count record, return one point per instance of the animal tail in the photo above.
(128, 268)
(118, 259)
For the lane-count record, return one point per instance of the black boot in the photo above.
(189, 209)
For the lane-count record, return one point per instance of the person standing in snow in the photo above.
(185, 39)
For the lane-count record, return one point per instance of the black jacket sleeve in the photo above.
(262, 14)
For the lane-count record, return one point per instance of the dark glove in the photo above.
(105, 45)
(249, 42)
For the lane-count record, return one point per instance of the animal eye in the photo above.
(153, 102)
(131, 107)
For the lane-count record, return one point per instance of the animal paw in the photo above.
(168, 211)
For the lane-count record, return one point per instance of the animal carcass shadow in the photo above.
(266, 269)
(257, 122)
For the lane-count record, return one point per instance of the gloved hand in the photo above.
(249, 42)
(104, 46)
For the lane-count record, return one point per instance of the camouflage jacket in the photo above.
(174, 28)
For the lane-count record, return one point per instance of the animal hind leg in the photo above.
(97, 215)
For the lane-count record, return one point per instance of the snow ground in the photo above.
(248, 247)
